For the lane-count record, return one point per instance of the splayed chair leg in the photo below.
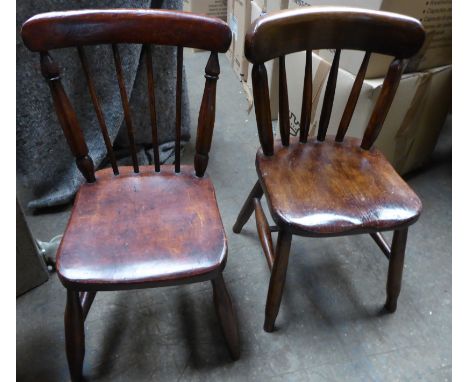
(248, 207)
(277, 279)
(395, 269)
(226, 315)
(74, 335)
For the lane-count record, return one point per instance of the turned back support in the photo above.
(339, 28)
(56, 30)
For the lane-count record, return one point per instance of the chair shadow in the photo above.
(200, 356)
(349, 307)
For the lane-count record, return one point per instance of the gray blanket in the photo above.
(44, 161)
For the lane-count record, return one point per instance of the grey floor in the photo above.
(329, 327)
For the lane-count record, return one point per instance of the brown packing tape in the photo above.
(406, 134)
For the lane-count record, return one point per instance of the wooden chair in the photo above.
(136, 227)
(328, 187)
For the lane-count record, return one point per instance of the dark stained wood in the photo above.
(226, 315)
(314, 28)
(283, 102)
(395, 268)
(56, 30)
(377, 118)
(125, 106)
(328, 187)
(262, 107)
(180, 62)
(67, 117)
(352, 100)
(97, 109)
(74, 335)
(95, 255)
(206, 116)
(321, 189)
(329, 97)
(264, 234)
(306, 110)
(278, 277)
(86, 300)
(383, 245)
(148, 227)
(248, 207)
(152, 105)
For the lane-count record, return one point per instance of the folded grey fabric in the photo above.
(44, 161)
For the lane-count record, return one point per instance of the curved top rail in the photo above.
(56, 30)
(312, 28)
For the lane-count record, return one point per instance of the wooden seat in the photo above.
(348, 190)
(320, 186)
(142, 230)
(139, 226)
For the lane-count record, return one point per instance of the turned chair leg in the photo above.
(74, 335)
(226, 316)
(278, 276)
(395, 268)
(248, 207)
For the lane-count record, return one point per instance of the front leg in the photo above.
(395, 268)
(277, 279)
(74, 335)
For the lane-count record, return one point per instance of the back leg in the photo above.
(248, 207)
(226, 315)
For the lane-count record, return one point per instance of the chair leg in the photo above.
(248, 207)
(226, 315)
(74, 335)
(278, 276)
(395, 269)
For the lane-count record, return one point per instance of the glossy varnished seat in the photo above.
(331, 188)
(141, 230)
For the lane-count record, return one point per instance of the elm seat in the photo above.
(122, 229)
(349, 190)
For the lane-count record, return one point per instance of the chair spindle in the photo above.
(152, 105)
(328, 97)
(352, 100)
(125, 106)
(377, 118)
(206, 116)
(262, 107)
(67, 117)
(180, 62)
(283, 103)
(97, 109)
(306, 110)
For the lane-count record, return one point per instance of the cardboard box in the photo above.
(412, 125)
(260, 8)
(215, 8)
(238, 14)
(435, 15)
(268, 6)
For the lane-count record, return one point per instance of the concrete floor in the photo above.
(329, 327)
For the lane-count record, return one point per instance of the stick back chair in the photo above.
(139, 226)
(328, 186)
